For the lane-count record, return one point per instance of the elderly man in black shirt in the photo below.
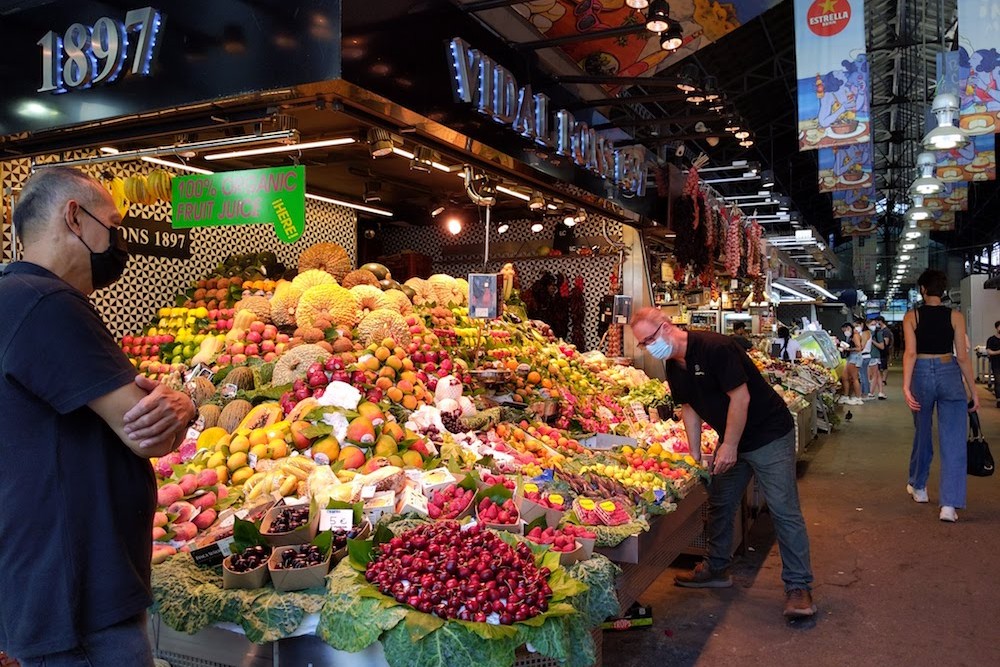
(714, 381)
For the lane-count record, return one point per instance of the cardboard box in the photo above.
(606, 441)
(434, 480)
(255, 578)
(412, 501)
(301, 535)
(570, 557)
(587, 543)
(213, 547)
(296, 580)
(364, 532)
(384, 502)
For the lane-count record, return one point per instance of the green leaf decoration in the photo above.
(564, 586)
(470, 482)
(383, 533)
(419, 624)
(324, 541)
(600, 600)
(450, 645)
(317, 430)
(497, 493)
(491, 632)
(539, 522)
(246, 534)
(190, 598)
(359, 553)
(549, 559)
(350, 622)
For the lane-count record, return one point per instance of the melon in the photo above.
(210, 415)
(242, 377)
(233, 414)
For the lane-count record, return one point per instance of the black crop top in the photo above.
(935, 335)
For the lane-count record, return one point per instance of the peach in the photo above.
(221, 491)
(184, 531)
(205, 501)
(207, 477)
(162, 552)
(169, 494)
(159, 519)
(189, 484)
(183, 510)
(159, 533)
(205, 519)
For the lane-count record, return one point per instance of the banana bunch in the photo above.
(159, 184)
(137, 190)
(284, 478)
(117, 187)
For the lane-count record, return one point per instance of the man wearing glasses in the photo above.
(77, 492)
(715, 381)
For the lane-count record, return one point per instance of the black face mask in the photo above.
(106, 267)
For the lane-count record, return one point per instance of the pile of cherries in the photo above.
(289, 519)
(297, 558)
(249, 559)
(471, 574)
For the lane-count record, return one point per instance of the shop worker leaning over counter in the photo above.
(714, 381)
(77, 492)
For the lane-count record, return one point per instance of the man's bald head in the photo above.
(45, 195)
(649, 314)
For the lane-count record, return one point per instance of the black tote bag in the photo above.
(980, 459)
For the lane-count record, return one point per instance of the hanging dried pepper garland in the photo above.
(753, 249)
(733, 244)
(692, 190)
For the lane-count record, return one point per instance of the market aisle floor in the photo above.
(894, 585)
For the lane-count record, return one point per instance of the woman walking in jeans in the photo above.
(935, 361)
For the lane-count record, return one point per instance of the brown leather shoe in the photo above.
(703, 576)
(799, 604)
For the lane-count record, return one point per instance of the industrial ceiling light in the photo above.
(766, 176)
(747, 142)
(909, 246)
(732, 124)
(379, 142)
(502, 229)
(926, 183)
(688, 80)
(946, 135)
(673, 38)
(537, 227)
(423, 159)
(711, 88)
(741, 134)
(913, 234)
(658, 17)
(373, 192)
(537, 202)
(696, 97)
(454, 226)
(918, 211)
(284, 148)
(637, 4)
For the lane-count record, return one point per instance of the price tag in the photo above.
(368, 491)
(228, 390)
(339, 520)
(226, 545)
(587, 504)
(192, 434)
(415, 475)
(252, 460)
(530, 488)
(639, 412)
(608, 506)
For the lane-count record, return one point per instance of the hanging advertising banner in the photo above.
(864, 251)
(854, 203)
(275, 196)
(857, 226)
(832, 72)
(954, 197)
(845, 167)
(978, 40)
(942, 223)
(976, 161)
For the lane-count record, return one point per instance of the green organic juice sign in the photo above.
(274, 196)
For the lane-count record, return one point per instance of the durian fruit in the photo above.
(359, 277)
(398, 301)
(378, 325)
(292, 365)
(328, 257)
(369, 298)
(260, 306)
(311, 278)
(284, 303)
(330, 302)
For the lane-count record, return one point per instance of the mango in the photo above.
(236, 461)
(361, 431)
(241, 475)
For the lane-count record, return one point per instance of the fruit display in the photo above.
(450, 502)
(471, 575)
(289, 518)
(560, 540)
(249, 559)
(297, 558)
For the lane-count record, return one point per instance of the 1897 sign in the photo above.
(156, 238)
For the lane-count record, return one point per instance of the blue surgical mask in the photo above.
(660, 349)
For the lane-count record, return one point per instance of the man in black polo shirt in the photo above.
(77, 492)
(714, 381)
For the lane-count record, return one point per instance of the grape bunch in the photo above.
(297, 558)
(288, 519)
(249, 559)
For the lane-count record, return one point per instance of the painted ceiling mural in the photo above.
(702, 21)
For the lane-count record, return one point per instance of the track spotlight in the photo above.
(658, 17)
(423, 159)
(373, 192)
(673, 38)
(454, 226)
(688, 79)
(766, 176)
(637, 4)
(437, 210)
(537, 202)
(503, 228)
(379, 142)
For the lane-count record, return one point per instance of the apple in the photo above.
(255, 336)
(281, 338)
(257, 327)
(266, 346)
(270, 332)
(239, 359)
(251, 350)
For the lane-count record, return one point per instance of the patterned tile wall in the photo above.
(150, 283)
(596, 271)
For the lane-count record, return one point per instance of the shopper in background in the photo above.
(865, 343)
(874, 368)
(993, 351)
(852, 370)
(740, 335)
(887, 349)
(74, 534)
(714, 381)
(935, 363)
(784, 347)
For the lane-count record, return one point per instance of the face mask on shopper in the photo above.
(872, 327)
(660, 349)
(857, 329)
(107, 266)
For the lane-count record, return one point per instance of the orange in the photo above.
(534, 377)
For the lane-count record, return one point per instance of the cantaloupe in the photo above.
(233, 414)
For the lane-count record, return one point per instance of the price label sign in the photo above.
(340, 520)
